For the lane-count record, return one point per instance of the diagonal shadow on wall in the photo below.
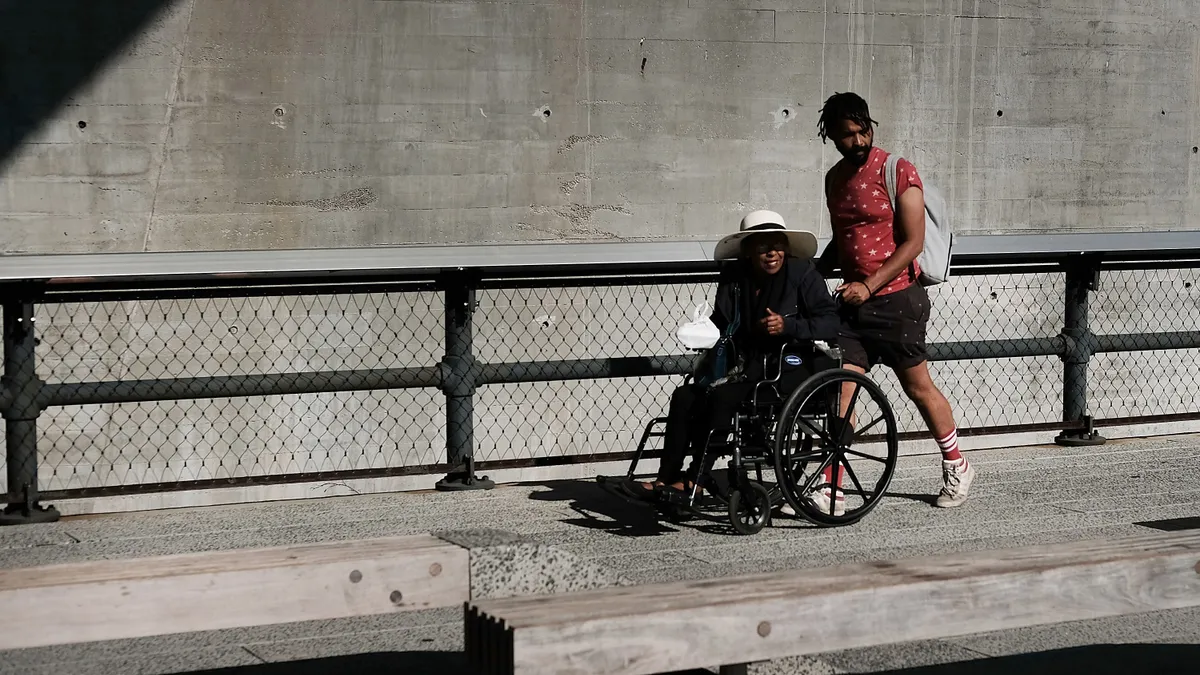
(50, 48)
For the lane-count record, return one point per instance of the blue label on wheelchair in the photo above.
(792, 360)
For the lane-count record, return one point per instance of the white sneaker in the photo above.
(957, 482)
(818, 499)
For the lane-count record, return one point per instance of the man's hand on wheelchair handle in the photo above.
(854, 292)
(773, 323)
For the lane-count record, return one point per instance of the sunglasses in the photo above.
(768, 246)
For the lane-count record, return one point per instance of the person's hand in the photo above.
(772, 324)
(854, 293)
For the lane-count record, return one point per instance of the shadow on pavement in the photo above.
(924, 498)
(377, 663)
(600, 509)
(1123, 659)
(1172, 524)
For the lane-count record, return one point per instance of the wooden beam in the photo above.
(105, 600)
(676, 626)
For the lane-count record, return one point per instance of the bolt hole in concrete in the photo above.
(82, 124)
(786, 112)
(355, 577)
(999, 113)
(396, 597)
(279, 112)
(1195, 149)
(546, 112)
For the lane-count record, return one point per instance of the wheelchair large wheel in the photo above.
(816, 447)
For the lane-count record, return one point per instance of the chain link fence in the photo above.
(170, 343)
(1154, 308)
(235, 438)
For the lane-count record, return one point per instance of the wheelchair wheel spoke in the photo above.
(854, 478)
(866, 456)
(858, 434)
(808, 484)
(806, 456)
(810, 429)
(849, 412)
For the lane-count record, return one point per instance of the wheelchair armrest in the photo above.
(778, 360)
(822, 346)
(778, 367)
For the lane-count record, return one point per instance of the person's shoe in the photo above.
(644, 491)
(818, 499)
(957, 477)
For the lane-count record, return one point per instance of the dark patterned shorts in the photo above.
(887, 329)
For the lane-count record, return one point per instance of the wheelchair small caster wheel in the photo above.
(750, 510)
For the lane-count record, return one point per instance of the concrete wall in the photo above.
(310, 123)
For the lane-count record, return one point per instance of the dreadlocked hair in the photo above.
(843, 106)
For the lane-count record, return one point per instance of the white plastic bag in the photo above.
(700, 332)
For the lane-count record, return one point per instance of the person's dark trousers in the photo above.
(694, 411)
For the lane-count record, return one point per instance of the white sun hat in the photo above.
(803, 244)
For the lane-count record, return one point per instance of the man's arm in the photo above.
(909, 222)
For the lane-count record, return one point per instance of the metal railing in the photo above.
(128, 373)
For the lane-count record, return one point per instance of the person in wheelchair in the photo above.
(770, 296)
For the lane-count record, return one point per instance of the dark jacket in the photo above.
(800, 296)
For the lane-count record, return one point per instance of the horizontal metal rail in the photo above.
(1141, 342)
(331, 381)
(1078, 261)
(545, 259)
(228, 386)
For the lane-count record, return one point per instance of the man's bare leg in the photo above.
(957, 473)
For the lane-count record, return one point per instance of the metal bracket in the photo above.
(28, 512)
(1087, 436)
(462, 481)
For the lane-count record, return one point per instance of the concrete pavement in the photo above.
(1023, 496)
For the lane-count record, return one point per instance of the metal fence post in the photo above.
(22, 393)
(459, 378)
(1082, 277)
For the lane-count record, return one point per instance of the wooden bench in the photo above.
(731, 622)
(104, 600)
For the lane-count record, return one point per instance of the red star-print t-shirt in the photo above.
(861, 215)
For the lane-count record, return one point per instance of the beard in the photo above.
(857, 156)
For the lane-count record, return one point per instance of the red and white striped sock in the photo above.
(828, 475)
(949, 447)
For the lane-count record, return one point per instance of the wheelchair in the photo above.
(806, 438)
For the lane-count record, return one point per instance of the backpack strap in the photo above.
(889, 180)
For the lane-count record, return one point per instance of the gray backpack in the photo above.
(939, 239)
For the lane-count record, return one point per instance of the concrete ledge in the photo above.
(505, 565)
(101, 600)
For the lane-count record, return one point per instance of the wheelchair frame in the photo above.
(749, 502)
